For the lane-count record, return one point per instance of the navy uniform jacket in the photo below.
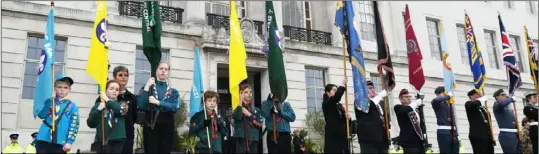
(504, 114)
(443, 112)
(408, 134)
(371, 128)
(530, 111)
(282, 120)
(477, 117)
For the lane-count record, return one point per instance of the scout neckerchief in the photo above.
(167, 94)
(213, 125)
(111, 116)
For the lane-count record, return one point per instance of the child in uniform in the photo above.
(212, 121)
(114, 120)
(247, 121)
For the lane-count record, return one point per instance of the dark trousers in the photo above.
(509, 142)
(283, 145)
(111, 147)
(205, 150)
(46, 147)
(159, 140)
(242, 148)
(413, 149)
(229, 145)
(445, 142)
(373, 148)
(128, 146)
(482, 145)
(533, 136)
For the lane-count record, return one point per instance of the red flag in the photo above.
(416, 77)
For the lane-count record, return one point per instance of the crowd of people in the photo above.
(117, 110)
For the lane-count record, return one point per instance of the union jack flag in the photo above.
(532, 58)
(510, 61)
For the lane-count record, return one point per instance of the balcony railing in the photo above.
(131, 8)
(307, 35)
(220, 21)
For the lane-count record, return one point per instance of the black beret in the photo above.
(472, 92)
(530, 94)
(369, 83)
(497, 92)
(439, 90)
(14, 136)
(34, 135)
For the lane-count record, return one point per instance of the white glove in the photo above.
(514, 98)
(101, 106)
(450, 94)
(383, 93)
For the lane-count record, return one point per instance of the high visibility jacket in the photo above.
(30, 149)
(12, 148)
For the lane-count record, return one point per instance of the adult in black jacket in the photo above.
(479, 133)
(336, 140)
(371, 127)
(530, 110)
(411, 135)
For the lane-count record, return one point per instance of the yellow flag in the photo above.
(237, 56)
(98, 58)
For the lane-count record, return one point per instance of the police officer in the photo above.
(411, 135)
(284, 114)
(479, 133)
(371, 131)
(31, 148)
(506, 121)
(440, 104)
(13, 147)
(530, 110)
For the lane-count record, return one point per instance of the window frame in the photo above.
(492, 50)
(363, 17)
(463, 44)
(317, 105)
(138, 70)
(36, 61)
(517, 50)
(241, 8)
(437, 35)
(307, 20)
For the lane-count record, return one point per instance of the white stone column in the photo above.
(196, 11)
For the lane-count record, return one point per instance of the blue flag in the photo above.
(195, 101)
(344, 20)
(449, 75)
(44, 84)
(477, 64)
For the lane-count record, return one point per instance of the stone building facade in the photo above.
(313, 53)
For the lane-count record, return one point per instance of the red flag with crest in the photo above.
(416, 76)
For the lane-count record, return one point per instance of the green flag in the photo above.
(151, 34)
(277, 74)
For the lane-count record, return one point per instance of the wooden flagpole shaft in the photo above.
(346, 92)
(274, 125)
(385, 103)
(489, 120)
(514, 109)
(207, 130)
(53, 129)
(103, 126)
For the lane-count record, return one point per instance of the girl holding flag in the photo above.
(200, 122)
(114, 128)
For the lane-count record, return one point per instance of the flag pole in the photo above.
(345, 93)
(207, 130)
(385, 103)
(53, 129)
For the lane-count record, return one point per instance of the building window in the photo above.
(509, 4)
(33, 54)
(515, 44)
(532, 7)
(223, 8)
(142, 67)
(461, 33)
(434, 39)
(315, 81)
(491, 49)
(297, 14)
(366, 21)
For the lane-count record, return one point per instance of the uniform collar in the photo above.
(160, 82)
